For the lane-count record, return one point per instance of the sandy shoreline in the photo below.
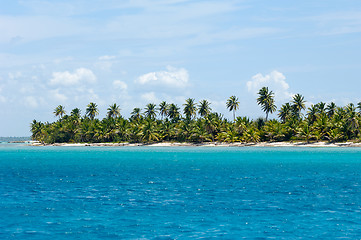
(213, 144)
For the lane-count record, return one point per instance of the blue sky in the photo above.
(137, 52)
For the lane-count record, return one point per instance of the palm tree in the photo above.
(274, 130)
(163, 109)
(59, 111)
(285, 112)
(266, 100)
(75, 120)
(133, 132)
(173, 112)
(251, 135)
(166, 130)
(321, 125)
(241, 124)
(304, 131)
(75, 113)
(334, 135)
(359, 107)
(211, 123)
(204, 108)
(338, 119)
(135, 114)
(150, 111)
(331, 108)
(92, 110)
(232, 105)
(190, 108)
(259, 123)
(36, 129)
(298, 104)
(321, 107)
(351, 120)
(312, 113)
(148, 133)
(113, 111)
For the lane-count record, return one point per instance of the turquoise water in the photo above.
(179, 193)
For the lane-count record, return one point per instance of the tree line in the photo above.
(196, 122)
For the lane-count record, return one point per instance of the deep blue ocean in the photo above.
(179, 193)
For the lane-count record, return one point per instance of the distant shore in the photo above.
(207, 144)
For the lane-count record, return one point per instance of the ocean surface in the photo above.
(179, 193)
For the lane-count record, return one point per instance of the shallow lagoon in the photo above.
(179, 192)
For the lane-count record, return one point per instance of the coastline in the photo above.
(207, 144)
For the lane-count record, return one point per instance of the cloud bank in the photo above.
(120, 85)
(67, 79)
(172, 77)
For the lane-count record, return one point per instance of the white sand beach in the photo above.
(206, 144)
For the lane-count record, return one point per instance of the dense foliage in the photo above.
(197, 123)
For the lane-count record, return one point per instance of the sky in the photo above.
(135, 52)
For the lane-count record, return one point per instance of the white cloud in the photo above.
(66, 78)
(93, 95)
(107, 58)
(105, 63)
(173, 77)
(150, 97)
(216, 104)
(55, 94)
(15, 75)
(117, 84)
(275, 81)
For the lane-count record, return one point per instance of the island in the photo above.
(320, 124)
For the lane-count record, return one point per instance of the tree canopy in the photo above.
(321, 122)
(266, 100)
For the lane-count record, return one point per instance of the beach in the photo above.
(205, 144)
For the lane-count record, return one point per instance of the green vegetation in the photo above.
(321, 122)
(266, 100)
(232, 105)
